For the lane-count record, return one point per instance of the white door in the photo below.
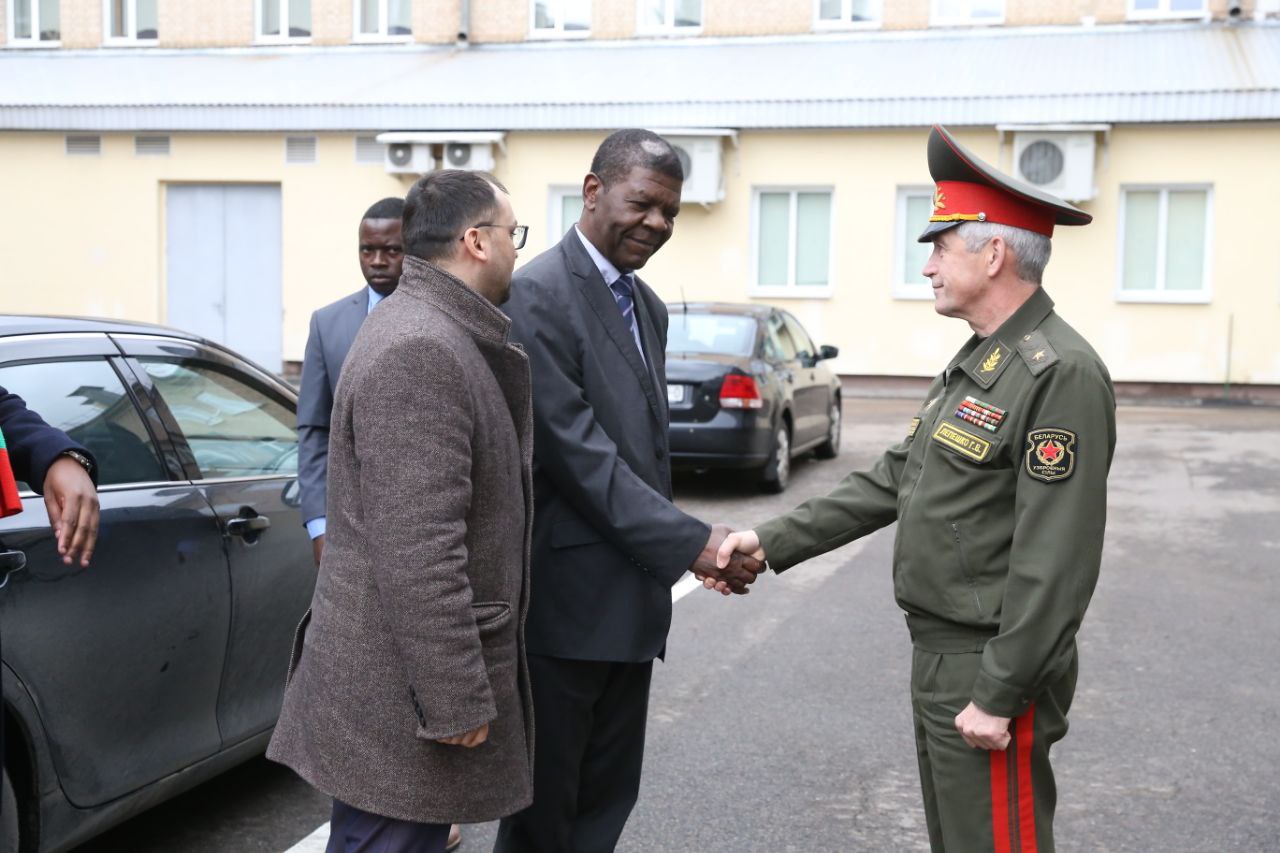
(223, 266)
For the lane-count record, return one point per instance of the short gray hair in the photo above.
(1030, 250)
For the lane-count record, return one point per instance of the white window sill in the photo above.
(365, 38)
(557, 35)
(668, 32)
(966, 22)
(273, 40)
(812, 291)
(841, 26)
(31, 44)
(131, 42)
(1165, 297)
(913, 294)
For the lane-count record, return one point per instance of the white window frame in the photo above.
(791, 290)
(844, 23)
(669, 27)
(558, 31)
(1204, 295)
(556, 193)
(34, 41)
(908, 284)
(936, 20)
(132, 14)
(380, 37)
(1164, 13)
(284, 38)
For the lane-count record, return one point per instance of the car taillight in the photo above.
(740, 392)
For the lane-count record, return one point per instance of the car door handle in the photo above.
(248, 526)
(11, 561)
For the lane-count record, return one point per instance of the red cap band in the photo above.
(960, 201)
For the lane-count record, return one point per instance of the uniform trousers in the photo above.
(977, 800)
(353, 830)
(588, 752)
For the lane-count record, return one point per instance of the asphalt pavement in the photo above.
(780, 720)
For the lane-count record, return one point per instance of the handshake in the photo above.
(730, 561)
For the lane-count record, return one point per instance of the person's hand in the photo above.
(470, 739)
(982, 730)
(735, 575)
(741, 544)
(72, 504)
(317, 548)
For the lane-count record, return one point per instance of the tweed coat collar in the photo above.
(424, 280)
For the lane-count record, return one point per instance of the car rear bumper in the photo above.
(731, 439)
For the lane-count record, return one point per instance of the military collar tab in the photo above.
(988, 361)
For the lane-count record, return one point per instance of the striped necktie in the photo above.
(622, 289)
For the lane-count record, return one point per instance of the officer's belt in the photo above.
(946, 638)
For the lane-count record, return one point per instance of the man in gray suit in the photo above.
(410, 702)
(608, 543)
(333, 328)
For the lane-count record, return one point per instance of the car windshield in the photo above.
(725, 334)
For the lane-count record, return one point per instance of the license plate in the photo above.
(676, 393)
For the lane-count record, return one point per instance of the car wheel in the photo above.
(777, 471)
(8, 817)
(830, 448)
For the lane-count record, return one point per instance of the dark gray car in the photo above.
(164, 662)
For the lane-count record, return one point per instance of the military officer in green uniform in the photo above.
(999, 488)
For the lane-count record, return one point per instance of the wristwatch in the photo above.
(85, 462)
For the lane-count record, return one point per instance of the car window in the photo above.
(781, 338)
(711, 333)
(804, 346)
(87, 400)
(233, 428)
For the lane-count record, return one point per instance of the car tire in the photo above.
(830, 448)
(9, 818)
(777, 471)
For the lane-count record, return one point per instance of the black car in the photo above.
(747, 388)
(163, 663)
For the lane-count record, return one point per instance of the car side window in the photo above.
(781, 338)
(86, 400)
(233, 428)
(804, 346)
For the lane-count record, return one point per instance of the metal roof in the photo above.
(1118, 74)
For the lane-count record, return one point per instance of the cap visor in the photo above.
(933, 229)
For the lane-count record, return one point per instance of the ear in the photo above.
(474, 245)
(591, 188)
(997, 256)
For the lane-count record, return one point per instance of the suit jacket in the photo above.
(608, 544)
(333, 328)
(33, 445)
(416, 631)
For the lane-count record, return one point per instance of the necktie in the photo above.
(622, 288)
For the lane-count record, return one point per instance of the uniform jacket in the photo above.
(608, 544)
(416, 630)
(999, 527)
(33, 444)
(333, 328)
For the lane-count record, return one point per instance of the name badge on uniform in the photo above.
(962, 441)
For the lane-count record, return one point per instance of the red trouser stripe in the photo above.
(1025, 730)
(1017, 754)
(1000, 801)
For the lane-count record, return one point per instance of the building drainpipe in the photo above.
(464, 24)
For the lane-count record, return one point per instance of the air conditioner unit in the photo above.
(404, 158)
(700, 156)
(1058, 162)
(469, 155)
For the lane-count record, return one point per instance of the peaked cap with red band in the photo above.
(968, 190)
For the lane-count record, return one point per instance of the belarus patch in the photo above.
(963, 442)
(1051, 454)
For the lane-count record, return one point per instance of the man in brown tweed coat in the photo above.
(409, 699)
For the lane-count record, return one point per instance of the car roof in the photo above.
(743, 309)
(38, 324)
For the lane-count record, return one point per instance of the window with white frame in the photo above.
(669, 15)
(1164, 244)
(832, 14)
(130, 21)
(945, 13)
(283, 20)
(564, 209)
(791, 240)
(560, 18)
(382, 20)
(33, 23)
(915, 206)
(1167, 8)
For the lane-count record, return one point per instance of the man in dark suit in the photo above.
(608, 543)
(333, 328)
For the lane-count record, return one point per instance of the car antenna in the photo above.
(684, 307)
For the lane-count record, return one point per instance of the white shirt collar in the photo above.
(374, 298)
(607, 270)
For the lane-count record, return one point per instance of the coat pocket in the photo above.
(491, 616)
(299, 639)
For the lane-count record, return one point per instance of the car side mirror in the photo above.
(827, 351)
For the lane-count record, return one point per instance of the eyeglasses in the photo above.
(519, 233)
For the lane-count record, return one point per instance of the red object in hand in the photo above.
(10, 503)
(740, 392)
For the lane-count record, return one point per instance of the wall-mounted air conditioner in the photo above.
(469, 155)
(404, 158)
(1058, 162)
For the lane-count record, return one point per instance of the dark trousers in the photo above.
(353, 830)
(588, 751)
(976, 800)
